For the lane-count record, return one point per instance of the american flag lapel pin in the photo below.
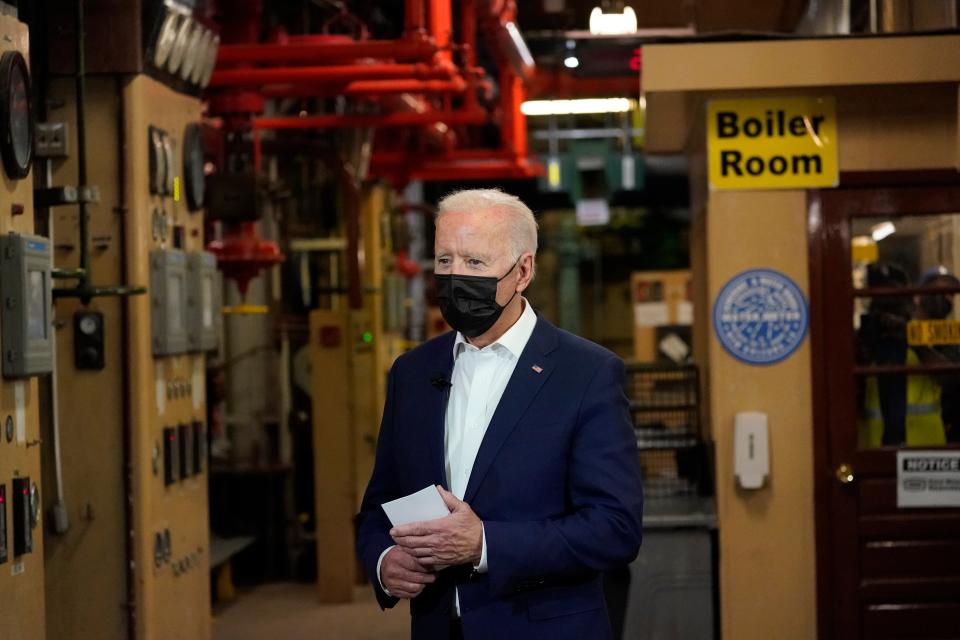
(537, 368)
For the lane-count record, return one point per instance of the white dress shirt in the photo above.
(479, 379)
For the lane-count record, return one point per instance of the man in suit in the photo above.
(525, 430)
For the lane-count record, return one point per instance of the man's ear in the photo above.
(526, 271)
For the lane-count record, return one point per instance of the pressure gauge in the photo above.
(158, 162)
(193, 177)
(169, 162)
(88, 325)
(211, 61)
(203, 53)
(180, 45)
(16, 116)
(165, 38)
(159, 224)
(193, 55)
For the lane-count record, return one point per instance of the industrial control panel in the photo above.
(168, 395)
(25, 334)
(149, 351)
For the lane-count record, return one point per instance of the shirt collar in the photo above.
(514, 339)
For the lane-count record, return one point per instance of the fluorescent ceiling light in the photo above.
(576, 107)
(608, 24)
(882, 230)
(571, 62)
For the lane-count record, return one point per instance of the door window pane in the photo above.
(907, 344)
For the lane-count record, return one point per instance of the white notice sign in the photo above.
(928, 478)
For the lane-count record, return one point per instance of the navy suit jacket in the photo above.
(556, 482)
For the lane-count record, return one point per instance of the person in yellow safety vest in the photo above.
(921, 420)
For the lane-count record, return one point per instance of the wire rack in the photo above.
(665, 405)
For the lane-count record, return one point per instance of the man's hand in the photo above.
(449, 541)
(403, 575)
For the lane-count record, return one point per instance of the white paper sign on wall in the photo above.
(928, 478)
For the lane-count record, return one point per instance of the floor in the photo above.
(290, 611)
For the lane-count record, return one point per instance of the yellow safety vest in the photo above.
(924, 422)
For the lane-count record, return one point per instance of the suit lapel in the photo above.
(437, 382)
(522, 388)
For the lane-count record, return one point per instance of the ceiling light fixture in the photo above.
(571, 62)
(882, 230)
(613, 24)
(576, 107)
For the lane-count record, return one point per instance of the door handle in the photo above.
(845, 473)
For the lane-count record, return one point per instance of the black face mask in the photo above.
(469, 303)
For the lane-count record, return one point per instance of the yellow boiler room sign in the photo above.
(772, 143)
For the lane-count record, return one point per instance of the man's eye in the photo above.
(443, 261)
(473, 262)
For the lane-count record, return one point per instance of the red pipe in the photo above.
(468, 29)
(441, 27)
(325, 53)
(341, 73)
(389, 120)
(513, 126)
(366, 87)
(413, 19)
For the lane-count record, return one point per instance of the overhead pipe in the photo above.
(304, 52)
(337, 73)
(389, 120)
(371, 88)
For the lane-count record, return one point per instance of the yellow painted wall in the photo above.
(766, 537)
(767, 563)
(87, 563)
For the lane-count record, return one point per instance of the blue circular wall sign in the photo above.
(761, 316)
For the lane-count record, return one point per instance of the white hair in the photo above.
(522, 225)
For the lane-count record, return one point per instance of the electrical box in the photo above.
(199, 446)
(25, 282)
(88, 340)
(171, 456)
(22, 531)
(203, 301)
(186, 451)
(3, 523)
(168, 276)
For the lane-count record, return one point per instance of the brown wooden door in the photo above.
(883, 571)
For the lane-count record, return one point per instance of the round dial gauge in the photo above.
(16, 116)
(170, 166)
(180, 45)
(159, 224)
(158, 162)
(193, 177)
(193, 54)
(165, 38)
(211, 61)
(88, 325)
(203, 52)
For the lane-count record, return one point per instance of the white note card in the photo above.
(423, 505)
